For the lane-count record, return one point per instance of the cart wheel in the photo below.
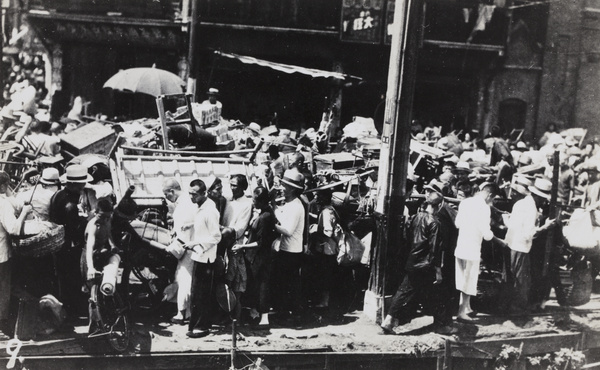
(114, 316)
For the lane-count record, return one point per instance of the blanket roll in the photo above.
(109, 275)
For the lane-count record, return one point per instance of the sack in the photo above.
(351, 249)
(580, 232)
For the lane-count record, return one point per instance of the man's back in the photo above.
(473, 223)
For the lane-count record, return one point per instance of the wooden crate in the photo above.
(92, 138)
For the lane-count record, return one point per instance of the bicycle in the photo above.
(109, 316)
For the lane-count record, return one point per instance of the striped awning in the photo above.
(287, 68)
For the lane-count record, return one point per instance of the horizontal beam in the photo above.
(44, 14)
(537, 344)
(465, 46)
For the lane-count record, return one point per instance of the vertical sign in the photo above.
(362, 20)
(389, 22)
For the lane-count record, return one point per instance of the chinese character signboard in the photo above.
(362, 20)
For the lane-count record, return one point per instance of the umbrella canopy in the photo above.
(151, 81)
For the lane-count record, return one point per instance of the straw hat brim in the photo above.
(64, 178)
(538, 192)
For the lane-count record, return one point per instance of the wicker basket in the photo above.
(42, 244)
(573, 287)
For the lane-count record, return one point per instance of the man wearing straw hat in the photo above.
(65, 209)
(521, 230)
(40, 195)
(291, 219)
(9, 225)
(36, 273)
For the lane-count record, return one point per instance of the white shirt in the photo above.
(183, 224)
(521, 225)
(237, 215)
(207, 232)
(183, 218)
(291, 218)
(40, 202)
(473, 223)
(8, 226)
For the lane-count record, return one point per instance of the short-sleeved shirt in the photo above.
(473, 223)
(291, 217)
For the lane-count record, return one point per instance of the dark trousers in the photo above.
(290, 283)
(69, 279)
(203, 298)
(520, 278)
(259, 287)
(417, 287)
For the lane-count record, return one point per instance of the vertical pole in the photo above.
(192, 51)
(163, 121)
(395, 148)
(233, 344)
(552, 212)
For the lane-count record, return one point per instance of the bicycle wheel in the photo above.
(149, 295)
(115, 320)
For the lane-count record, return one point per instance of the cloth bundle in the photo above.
(109, 275)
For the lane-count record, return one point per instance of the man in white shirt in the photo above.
(9, 225)
(203, 245)
(238, 209)
(291, 218)
(521, 230)
(183, 229)
(473, 223)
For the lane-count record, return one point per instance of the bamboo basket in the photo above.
(49, 240)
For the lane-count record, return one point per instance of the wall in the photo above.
(588, 94)
(561, 64)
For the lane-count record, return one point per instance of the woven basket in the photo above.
(48, 241)
(574, 287)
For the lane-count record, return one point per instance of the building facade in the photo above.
(515, 64)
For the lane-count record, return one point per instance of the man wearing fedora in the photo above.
(9, 225)
(291, 220)
(540, 283)
(461, 173)
(213, 95)
(521, 230)
(65, 209)
(422, 283)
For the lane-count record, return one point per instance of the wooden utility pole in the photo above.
(193, 51)
(395, 150)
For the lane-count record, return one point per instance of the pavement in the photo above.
(322, 331)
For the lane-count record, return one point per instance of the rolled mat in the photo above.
(109, 275)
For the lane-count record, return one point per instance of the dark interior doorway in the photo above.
(512, 114)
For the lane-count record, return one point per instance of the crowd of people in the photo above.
(272, 246)
(483, 194)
